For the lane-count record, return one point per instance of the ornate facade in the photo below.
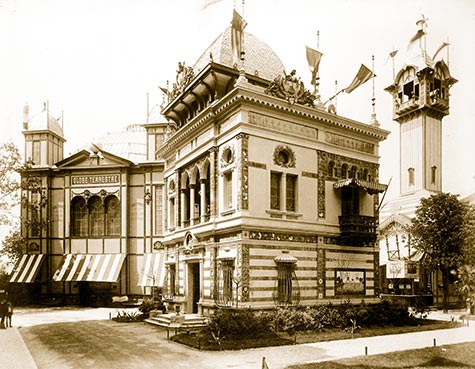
(250, 196)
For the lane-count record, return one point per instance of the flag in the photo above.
(417, 36)
(313, 58)
(237, 35)
(444, 44)
(363, 75)
(391, 55)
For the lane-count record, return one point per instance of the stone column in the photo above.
(203, 203)
(182, 207)
(192, 203)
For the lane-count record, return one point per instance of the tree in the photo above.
(13, 245)
(437, 231)
(10, 163)
(466, 274)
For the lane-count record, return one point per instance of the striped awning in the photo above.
(27, 268)
(89, 268)
(153, 271)
(370, 187)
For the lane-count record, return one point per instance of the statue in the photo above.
(291, 88)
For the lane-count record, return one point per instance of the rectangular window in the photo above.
(275, 180)
(36, 152)
(228, 190)
(290, 192)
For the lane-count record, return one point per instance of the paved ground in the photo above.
(139, 345)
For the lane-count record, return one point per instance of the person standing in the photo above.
(3, 311)
(8, 316)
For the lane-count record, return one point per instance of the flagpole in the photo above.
(336, 94)
(317, 77)
(374, 120)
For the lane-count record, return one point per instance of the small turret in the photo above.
(44, 139)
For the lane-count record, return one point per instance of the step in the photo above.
(190, 320)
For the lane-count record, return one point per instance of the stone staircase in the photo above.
(182, 321)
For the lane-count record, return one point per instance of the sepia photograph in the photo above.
(255, 184)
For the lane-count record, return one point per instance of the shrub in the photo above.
(128, 317)
(239, 323)
(146, 305)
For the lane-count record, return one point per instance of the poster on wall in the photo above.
(349, 282)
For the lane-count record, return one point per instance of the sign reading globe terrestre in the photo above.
(97, 179)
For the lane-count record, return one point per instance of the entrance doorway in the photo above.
(194, 286)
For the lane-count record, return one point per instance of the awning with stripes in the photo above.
(27, 268)
(153, 271)
(89, 268)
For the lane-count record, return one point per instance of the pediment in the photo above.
(396, 223)
(87, 159)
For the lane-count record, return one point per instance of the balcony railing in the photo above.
(357, 230)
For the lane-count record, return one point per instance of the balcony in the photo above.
(357, 230)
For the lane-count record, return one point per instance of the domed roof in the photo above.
(260, 59)
(44, 121)
(130, 144)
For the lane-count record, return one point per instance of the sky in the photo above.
(97, 60)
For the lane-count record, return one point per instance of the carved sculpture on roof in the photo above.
(184, 75)
(291, 88)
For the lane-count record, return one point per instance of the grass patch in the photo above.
(450, 356)
(203, 339)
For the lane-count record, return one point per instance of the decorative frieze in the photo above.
(282, 126)
(310, 175)
(255, 164)
(282, 236)
(243, 196)
(349, 143)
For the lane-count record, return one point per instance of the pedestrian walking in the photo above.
(3, 311)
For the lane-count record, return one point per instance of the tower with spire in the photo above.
(420, 94)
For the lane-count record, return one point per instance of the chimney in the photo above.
(26, 113)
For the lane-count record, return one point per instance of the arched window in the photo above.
(331, 165)
(79, 217)
(112, 216)
(365, 174)
(96, 209)
(353, 172)
(344, 171)
(433, 174)
(411, 176)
